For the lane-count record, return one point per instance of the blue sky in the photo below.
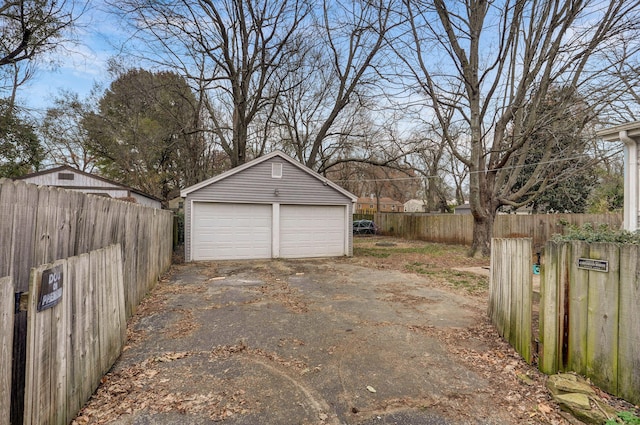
(79, 64)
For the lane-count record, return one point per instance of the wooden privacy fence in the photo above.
(72, 344)
(511, 293)
(39, 225)
(458, 228)
(590, 316)
(445, 228)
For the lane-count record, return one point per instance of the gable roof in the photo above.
(90, 175)
(280, 154)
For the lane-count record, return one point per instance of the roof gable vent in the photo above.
(276, 170)
(66, 176)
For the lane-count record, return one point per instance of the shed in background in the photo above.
(70, 178)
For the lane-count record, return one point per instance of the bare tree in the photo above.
(326, 116)
(235, 51)
(625, 69)
(29, 29)
(501, 60)
(429, 162)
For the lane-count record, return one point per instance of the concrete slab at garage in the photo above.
(271, 207)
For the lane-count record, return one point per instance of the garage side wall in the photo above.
(256, 185)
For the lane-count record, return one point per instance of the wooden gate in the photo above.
(590, 316)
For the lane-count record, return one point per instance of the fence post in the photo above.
(7, 307)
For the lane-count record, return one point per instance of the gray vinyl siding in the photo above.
(79, 180)
(143, 200)
(255, 185)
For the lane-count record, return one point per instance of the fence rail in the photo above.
(458, 228)
(511, 293)
(40, 225)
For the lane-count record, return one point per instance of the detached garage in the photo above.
(271, 207)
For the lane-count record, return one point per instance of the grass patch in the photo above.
(387, 251)
(625, 418)
(420, 268)
(437, 261)
(470, 282)
(371, 252)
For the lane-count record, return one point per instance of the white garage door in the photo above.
(312, 231)
(231, 231)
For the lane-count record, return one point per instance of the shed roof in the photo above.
(116, 185)
(280, 154)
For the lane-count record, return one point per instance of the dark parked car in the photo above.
(364, 227)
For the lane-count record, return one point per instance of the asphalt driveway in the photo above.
(307, 342)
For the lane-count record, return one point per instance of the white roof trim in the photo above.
(612, 134)
(212, 180)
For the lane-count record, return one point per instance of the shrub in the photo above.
(601, 233)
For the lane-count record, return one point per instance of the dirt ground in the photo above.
(398, 334)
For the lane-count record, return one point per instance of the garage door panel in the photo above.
(231, 231)
(312, 231)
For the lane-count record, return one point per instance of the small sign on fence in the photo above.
(50, 288)
(594, 265)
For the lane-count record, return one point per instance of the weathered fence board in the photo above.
(629, 318)
(72, 344)
(511, 292)
(84, 329)
(6, 231)
(578, 307)
(46, 386)
(602, 318)
(23, 200)
(458, 229)
(6, 343)
(548, 321)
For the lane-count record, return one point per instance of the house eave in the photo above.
(612, 134)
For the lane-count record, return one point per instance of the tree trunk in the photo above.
(482, 234)
(431, 195)
(239, 140)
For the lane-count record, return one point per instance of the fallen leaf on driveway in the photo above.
(544, 408)
(168, 357)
